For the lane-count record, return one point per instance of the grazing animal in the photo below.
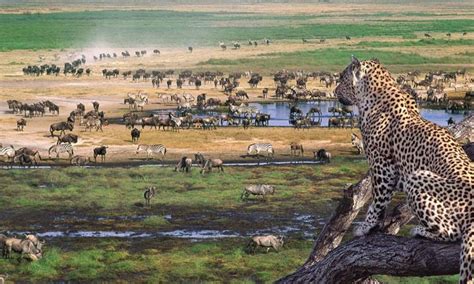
(80, 161)
(95, 105)
(24, 160)
(296, 149)
(60, 126)
(68, 138)
(135, 133)
(152, 149)
(7, 153)
(268, 241)
(20, 124)
(100, 151)
(184, 164)
(30, 152)
(61, 148)
(212, 163)
(259, 149)
(148, 195)
(322, 155)
(30, 247)
(257, 190)
(357, 143)
(406, 152)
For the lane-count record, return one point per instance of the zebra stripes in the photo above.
(260, 149)
(61, 148)
(8, 152)
(152, 150)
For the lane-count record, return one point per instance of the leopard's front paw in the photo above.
(363, 229)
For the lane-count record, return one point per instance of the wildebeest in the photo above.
(30, 152)
(268, 241)
(212, 163)
(184, 164)
(100, 151)
(296, 149)
(95, 105)
(20, 124)
(23, 160)
(322, 155)
(60, 126)
(68, 138)
(135, 133)
(257, 190)
(149, 194)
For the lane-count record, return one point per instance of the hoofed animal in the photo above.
(296, 149)
(100, 151)
(79, 160)
(268, 241)
(406, 152)
(149, 194)
(257, 190)
(135, 133)
(322, 155)
(20, 124)
(152, 149)
(212, 163)
(184, 164)
(60, 126)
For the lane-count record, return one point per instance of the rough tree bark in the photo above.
(378, 253)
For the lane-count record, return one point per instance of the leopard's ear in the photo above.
(355, 61)
(355, 66)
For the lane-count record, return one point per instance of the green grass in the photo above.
(170, 28)
(421, 42)
(332, 59)
(46, 194)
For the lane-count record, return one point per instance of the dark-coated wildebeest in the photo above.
(100, 151)
(30, 152)
(24, 160)
(190, 49)
(168, 83)
(322, 155)
(20, 124)
(60, 126)
(135, 133)
(184, 164)
(68, 138)
(96, 105)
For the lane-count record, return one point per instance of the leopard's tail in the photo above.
(467, 256)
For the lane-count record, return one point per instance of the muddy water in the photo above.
(301, 224)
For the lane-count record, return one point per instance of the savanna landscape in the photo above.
(107, 107)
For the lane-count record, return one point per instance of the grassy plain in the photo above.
(110, 199)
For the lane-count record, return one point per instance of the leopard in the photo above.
(408, 153)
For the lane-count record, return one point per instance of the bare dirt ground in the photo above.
(68, 91)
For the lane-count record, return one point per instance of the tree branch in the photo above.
(361, 258)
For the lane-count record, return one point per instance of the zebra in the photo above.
(152, 149)
(357, 143)
(261, 149)
(8, 152)
(149, 194)
(61, 148)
